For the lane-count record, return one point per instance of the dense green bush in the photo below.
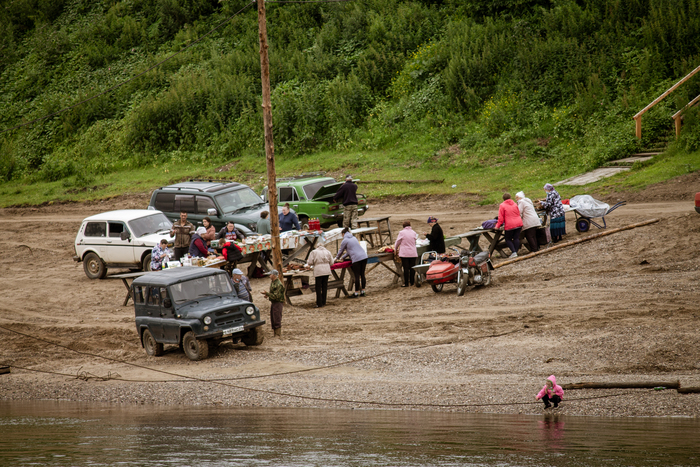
(529, 78)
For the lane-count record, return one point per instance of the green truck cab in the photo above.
(311, 196)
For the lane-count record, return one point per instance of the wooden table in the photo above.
(294, 284)
(133, 275)
(125, 280)
(384, 234)
(497, 242)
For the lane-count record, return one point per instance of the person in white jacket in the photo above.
(531, 221)
(321, 259)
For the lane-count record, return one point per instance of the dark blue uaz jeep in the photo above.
(192, 307)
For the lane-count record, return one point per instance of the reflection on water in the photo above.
(63, 434)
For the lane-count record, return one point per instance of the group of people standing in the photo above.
(520, 216)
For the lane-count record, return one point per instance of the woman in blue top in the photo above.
(351, 247)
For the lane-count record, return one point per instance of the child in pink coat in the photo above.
(551, 392)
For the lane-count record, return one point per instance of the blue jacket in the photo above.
(352, 247)
(289, 221)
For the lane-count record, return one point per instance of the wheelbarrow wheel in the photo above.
(419, 279)
(583, 224)
(436, 287)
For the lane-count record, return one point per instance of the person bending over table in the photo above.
(509, 218)
(531, 221)
(351, 247)
(159, 254)
(198, 247)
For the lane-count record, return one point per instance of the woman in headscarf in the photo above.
(531, 221)
(436, 237)
(555, 209)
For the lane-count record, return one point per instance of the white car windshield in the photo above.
(196, 289)
(238, 200)
(150, 224)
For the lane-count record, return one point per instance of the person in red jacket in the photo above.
(509, 218)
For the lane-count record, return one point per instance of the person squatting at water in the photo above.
(551, 392)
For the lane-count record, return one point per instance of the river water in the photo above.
(72, 434)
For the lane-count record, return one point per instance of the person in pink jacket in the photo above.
(551, 392)
(406, 245)
(509, 218)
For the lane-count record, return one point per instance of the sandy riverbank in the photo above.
(621, 308)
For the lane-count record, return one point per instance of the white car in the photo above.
(120, 239)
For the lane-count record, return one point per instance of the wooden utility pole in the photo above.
(269, 143)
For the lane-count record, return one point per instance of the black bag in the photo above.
(233, 253)
(541, 236)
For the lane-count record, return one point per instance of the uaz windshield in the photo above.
(150, 224)
(239, 199)
(195, 289)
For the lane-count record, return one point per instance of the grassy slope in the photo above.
(479, 183)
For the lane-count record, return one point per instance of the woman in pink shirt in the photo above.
(509, 217)
(406, 245)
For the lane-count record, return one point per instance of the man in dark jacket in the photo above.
(288, 220)
(348, 194)
(436, 237)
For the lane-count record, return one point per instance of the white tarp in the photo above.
(587, 206)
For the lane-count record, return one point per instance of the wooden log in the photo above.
(574, 242)
(693, 390)
(628, 385)
(401, 181)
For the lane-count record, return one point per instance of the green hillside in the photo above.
(489, 95)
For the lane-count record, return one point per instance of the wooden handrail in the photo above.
(638, 117)
(677, 116)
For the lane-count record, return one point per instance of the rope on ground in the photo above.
(333, 365)
(354, 401)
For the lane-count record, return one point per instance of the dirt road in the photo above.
(623, 307)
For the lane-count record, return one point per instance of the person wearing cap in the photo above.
(276, 297)
(436, 237)
(555, 210)
(159, 254)
(242, 285)
(321, 259)
(198, 247)
(348, 194)
(182, 231)
(531, 221)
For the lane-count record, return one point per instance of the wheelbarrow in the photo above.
(585, 217)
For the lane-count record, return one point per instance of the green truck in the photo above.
(311, 197)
